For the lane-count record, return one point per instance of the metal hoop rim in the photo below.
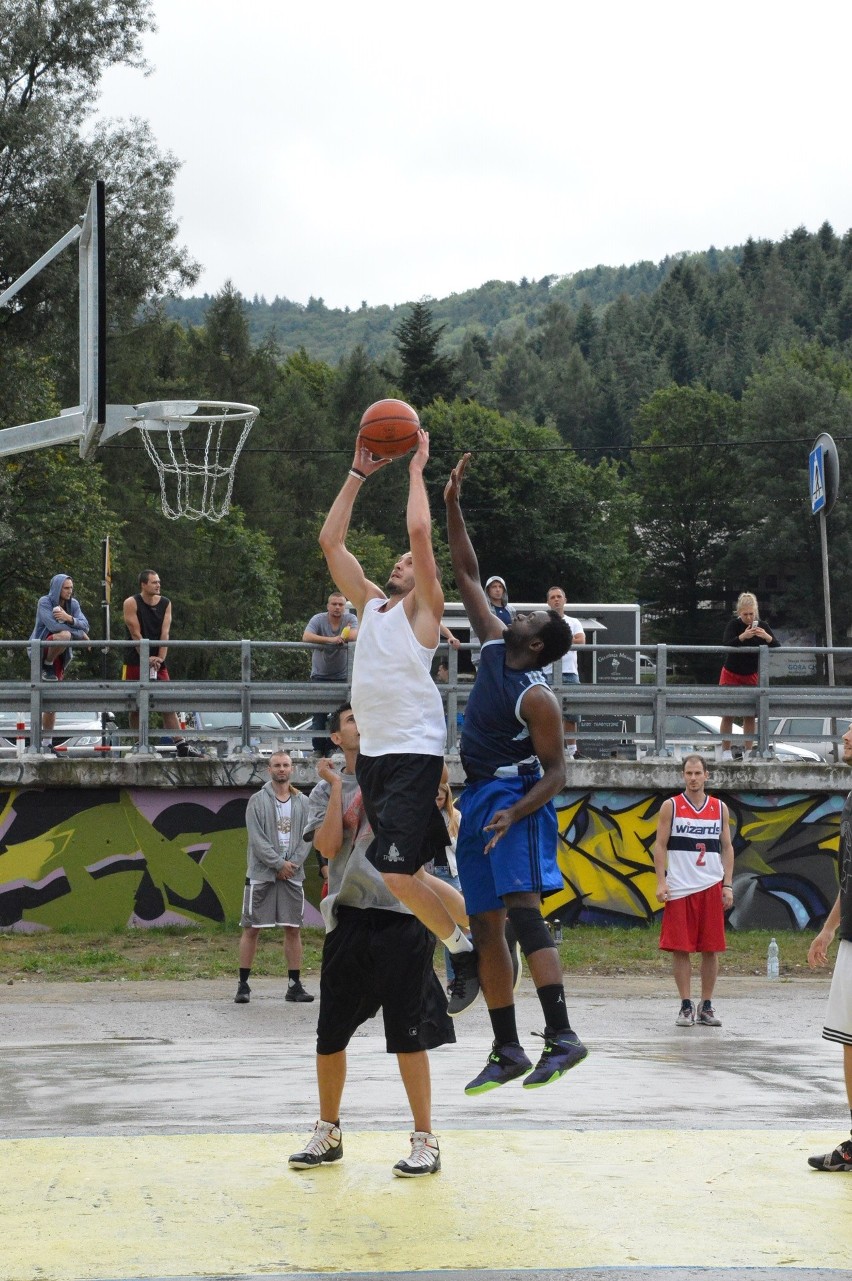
(162, 414)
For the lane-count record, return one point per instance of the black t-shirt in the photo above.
(150, 622)
(844, 870)
(744, 661)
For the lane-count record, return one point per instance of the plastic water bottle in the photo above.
(772, 960)
(557, 930)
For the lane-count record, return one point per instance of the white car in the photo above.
(687, 732)
(813, 733)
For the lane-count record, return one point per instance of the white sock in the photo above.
(458, 942)
(571, 750)
(47, 740)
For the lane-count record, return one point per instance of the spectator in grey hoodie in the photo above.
(274, 893)
(59, 620)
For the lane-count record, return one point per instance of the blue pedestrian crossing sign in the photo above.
(816, 468)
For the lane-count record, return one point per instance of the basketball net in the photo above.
(195, 484)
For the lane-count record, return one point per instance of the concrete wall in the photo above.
(152, 842)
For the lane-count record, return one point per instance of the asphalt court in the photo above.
(144, 1131)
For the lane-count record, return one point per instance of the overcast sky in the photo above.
(390, 152)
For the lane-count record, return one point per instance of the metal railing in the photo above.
(303, 698)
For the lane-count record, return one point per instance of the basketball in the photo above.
(389, 428)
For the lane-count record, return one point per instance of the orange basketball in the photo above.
(389, 428)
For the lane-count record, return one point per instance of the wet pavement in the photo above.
(145, 1129)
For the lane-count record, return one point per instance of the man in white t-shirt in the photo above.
(556, 599)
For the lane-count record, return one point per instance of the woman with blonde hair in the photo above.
(746, 634)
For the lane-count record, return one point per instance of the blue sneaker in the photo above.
(562, 1051)
(505, 1063)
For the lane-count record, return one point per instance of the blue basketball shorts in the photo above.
(523, 861)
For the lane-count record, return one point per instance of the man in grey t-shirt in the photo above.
(329, 634)
(376, 955)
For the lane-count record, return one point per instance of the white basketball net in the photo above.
(195, 483)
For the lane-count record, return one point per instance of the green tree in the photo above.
(687, 478)
(426, 374)
(52, 56)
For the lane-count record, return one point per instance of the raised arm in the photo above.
(345, 568)
(465, 565)
(425, 606)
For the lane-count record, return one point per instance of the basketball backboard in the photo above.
(83, 422)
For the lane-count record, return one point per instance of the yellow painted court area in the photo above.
(83, 1209)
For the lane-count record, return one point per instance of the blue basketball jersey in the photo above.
(494, 738)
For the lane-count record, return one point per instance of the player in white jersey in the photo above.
(398, 708)
(694, 862)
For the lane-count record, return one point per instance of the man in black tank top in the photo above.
(148, 616)
(838, 1016)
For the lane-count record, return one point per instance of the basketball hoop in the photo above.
(195, 482)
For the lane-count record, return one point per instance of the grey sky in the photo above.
(387, 152)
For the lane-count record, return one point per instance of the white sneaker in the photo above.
(324, 1145)
(425, 1157)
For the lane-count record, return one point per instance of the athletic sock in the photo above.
(552, 998)
(505, 1026)
(458, 942)
(293, 977)
(244, 974)
(47, 740)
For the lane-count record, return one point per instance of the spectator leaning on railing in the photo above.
(741, 668)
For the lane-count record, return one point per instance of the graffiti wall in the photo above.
(146, 857)
(123, 857)
(785, 868)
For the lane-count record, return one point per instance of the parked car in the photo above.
(810, 732)
(687, 732)
(267, 730)
(68, 728)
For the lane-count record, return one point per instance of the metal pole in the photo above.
(829, 635)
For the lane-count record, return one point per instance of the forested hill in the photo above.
(495, 308)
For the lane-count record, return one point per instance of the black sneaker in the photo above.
(243, 994)
(295, 992)
(189, 750)
(839, 1159)
(48, 673)
(505, 1063)
(464, 988)
(562, 1050)
(324, 1145)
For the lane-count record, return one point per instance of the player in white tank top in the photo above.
(398, 707)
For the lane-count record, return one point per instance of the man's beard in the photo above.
(392, 588)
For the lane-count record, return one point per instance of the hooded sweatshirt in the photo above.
(46, 624)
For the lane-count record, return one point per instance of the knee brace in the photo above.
(530, 928)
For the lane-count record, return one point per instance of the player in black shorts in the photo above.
(376, 955)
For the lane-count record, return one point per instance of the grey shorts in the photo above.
(270, 903)
(838, 1016)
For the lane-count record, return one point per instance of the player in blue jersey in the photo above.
(513, 756)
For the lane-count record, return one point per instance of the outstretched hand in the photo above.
(452, 489)
(364, 460)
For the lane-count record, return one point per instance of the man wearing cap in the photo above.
(498, 603)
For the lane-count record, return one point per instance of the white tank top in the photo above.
(396, 703)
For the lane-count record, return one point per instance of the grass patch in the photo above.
(193, 953)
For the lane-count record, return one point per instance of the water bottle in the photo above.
(557, 930)
(772, 960)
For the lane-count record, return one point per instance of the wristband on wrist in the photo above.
(726, 887)
(361, 475)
